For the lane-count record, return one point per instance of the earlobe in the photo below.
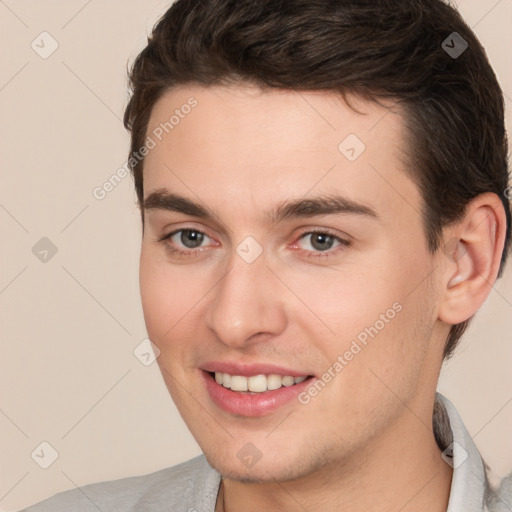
(476, 246)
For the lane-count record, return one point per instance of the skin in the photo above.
(365, 442)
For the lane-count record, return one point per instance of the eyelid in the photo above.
(324, 231)
(175, 231)
(183, 253)
(187, 251)
(343, 241)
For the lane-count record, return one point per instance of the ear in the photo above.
(473, 248)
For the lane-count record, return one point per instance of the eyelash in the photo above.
(343, 244)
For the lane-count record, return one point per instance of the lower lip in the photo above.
(252, 404)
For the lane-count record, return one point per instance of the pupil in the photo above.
(322, 242)
(191, 239)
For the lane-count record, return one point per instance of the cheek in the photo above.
(157, 302)
(339, 303)
(366, 310)
(168, 296)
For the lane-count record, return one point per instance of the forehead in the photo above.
(245, 147)
(245, 117)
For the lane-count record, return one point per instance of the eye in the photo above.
(188, 242)
(185, 242)
(321, 243)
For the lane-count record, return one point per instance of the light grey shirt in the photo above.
(193, 485)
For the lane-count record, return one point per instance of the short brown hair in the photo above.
(379, 49)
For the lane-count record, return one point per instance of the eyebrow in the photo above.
(300, 208)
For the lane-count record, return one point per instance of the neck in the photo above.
(402, 470)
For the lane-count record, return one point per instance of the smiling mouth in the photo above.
(256, 383)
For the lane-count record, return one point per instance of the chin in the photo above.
(260, 473)
(280, 467)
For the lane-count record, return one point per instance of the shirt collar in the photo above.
(470, 488)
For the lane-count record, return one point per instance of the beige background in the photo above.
(69, 325)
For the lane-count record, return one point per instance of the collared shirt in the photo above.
(193, 485)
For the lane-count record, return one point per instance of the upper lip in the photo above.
(251, 369)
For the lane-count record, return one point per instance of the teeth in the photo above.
(226, 380)
(256, 383)
(274, 382)
(288, 381)
(238, 383)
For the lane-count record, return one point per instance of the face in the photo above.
(285, 276)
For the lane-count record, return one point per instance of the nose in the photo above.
(246, 303)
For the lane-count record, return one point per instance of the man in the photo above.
(323, 196)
